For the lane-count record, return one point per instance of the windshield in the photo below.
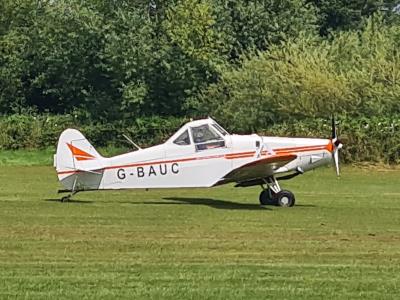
(206, 137)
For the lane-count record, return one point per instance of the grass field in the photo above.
(43, 157)
(341, 241)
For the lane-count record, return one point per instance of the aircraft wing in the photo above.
(260, 168)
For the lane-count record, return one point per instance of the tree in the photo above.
(189, 50)
(16, 22)
(127, 60)
(354, 74)
(255, 25)
(348, 15)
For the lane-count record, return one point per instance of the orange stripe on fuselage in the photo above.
(239, 154)
(301, 149)
(279, 151)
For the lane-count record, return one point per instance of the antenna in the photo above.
(130, 141)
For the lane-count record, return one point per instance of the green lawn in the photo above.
(341, 240)
(43, 157)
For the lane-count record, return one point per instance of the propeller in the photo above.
(337, 145)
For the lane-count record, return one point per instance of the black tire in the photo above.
(65, 198)
(267, 198)
(285, 199)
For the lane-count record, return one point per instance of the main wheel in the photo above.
(285, 198)
(267, 197)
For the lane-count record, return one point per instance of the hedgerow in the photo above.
(374, 139)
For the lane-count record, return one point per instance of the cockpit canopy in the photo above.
(204, 134)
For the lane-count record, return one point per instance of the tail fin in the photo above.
(79, 166)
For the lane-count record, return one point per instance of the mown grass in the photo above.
(341, 241)
(44, 157)
(27, 157)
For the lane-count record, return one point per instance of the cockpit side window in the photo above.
(206, 138)
(183, 139)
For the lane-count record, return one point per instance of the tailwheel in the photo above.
(267, 197)
(66, 198)
(285, 198)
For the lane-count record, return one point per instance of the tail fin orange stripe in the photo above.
(79, 154)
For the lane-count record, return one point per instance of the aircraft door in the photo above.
(199, 154)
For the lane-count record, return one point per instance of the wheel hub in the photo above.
(285, 200)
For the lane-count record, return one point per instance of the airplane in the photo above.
(200, 154)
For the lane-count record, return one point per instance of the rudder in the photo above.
(79, 166)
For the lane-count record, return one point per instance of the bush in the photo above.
(354, 74)
(23, 131)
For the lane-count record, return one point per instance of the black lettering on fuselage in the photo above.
(140, 172)
(163, 172)
(152, 171)
(174, 168)
(121, 174)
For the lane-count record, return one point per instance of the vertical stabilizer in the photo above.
(79, 166)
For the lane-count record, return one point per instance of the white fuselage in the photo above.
(200, 154)
(165, 166)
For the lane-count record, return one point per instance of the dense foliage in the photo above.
(365, 139)
(309, 77)
(130, 58)
(254, 65)
(347, 15)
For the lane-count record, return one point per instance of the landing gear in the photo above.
(267, 197)
(69, 196)
(273, 195)
(285, 199)
(66, 198)
(73, 191)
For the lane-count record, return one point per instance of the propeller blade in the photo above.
(334, 132)
(337, 145)
(336, 160)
